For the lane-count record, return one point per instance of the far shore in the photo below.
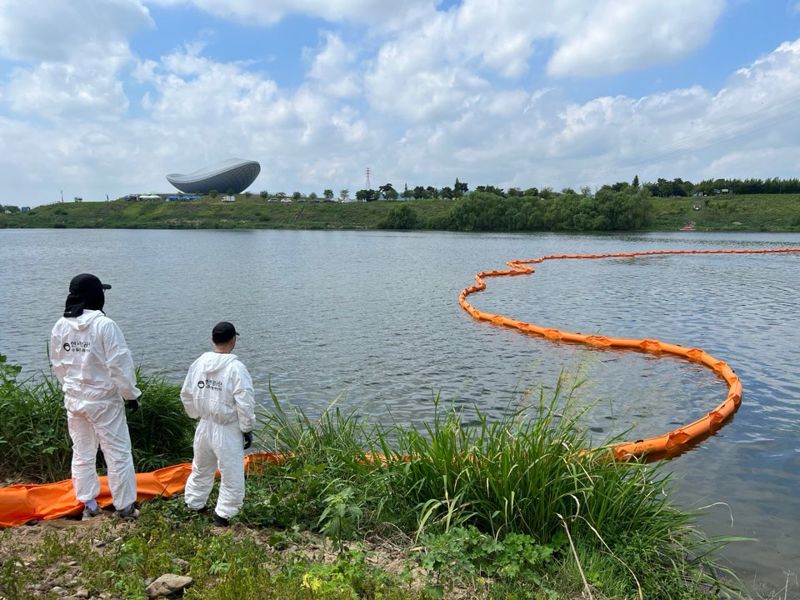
(476, 211)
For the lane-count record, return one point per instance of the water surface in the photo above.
(373, 317)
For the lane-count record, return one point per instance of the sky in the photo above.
(101, 98)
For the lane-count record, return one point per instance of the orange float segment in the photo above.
(20, 504)
(673, 442)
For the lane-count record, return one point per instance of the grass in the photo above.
(758, 212)
(515, 500)
(34, 441)
(463, 507)
(108, 559)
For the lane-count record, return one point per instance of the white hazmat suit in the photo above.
(92, 363)
(218, 390)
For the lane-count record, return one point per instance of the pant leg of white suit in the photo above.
(217, 446)
(84, 456)
(104, 422)
(231, 468)
(204, 467)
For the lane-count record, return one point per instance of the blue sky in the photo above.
(105, 98)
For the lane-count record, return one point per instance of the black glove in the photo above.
(248, 439)
(132, 405)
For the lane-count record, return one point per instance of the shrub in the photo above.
(508, 498)
(34, 441)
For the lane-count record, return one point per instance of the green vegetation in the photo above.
(760, 212)
(108, 559)
(613, 208)
(514, 501)
(464, 507)
(35, 444)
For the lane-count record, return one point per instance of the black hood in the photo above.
(85, 292)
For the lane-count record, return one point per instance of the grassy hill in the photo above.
(757, 212)
(715, 213)
(211, 213)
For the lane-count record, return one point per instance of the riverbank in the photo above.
(463, 508)
(476, 212)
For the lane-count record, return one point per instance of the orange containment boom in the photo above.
(20, 504)
(662, 446)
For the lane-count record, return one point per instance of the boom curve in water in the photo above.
(669, 444)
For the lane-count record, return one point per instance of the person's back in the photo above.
(218, 391)
(218, 380)
(92, 363)
(89, 356)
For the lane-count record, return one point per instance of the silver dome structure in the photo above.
(234, 175)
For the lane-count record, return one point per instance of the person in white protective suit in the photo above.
(92, 363)
(218, 390)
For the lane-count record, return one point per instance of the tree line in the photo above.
(607, 210)
(661, 188)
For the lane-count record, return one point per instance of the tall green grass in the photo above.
(34, 441)
(527, 474)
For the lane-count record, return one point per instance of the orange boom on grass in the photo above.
(661, 446)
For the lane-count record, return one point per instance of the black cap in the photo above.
(85, 284)
(85, 292)
(223, 332)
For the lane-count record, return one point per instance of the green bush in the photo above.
(400, 217)
(34, 441)
(516, 498)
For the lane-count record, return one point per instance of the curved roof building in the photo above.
(231, 175)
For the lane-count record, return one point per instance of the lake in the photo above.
(373, 318)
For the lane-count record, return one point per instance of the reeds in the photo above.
(34, 441)
(527, 474)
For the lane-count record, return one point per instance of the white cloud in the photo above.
(70, 55)
(88, 88)
(54, 30)
(621, 35)
(331, 68)
(374, 12)
(450, 97)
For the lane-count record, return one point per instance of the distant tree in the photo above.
(344, 195)
(447, 193)
(400, 217)
(490, 189)
(213, 193)
(432, 192)
(388, 191)
(264, 194)
(420, 193)
(313, 196)
(514, 192)
(281, 195)
(586, 191)
(248, 194)
(407, 193)
(328, 194)
(568, 190)
(532, 192)
(366, 195)
(635, 183)
(459, 188)
(296, 196)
